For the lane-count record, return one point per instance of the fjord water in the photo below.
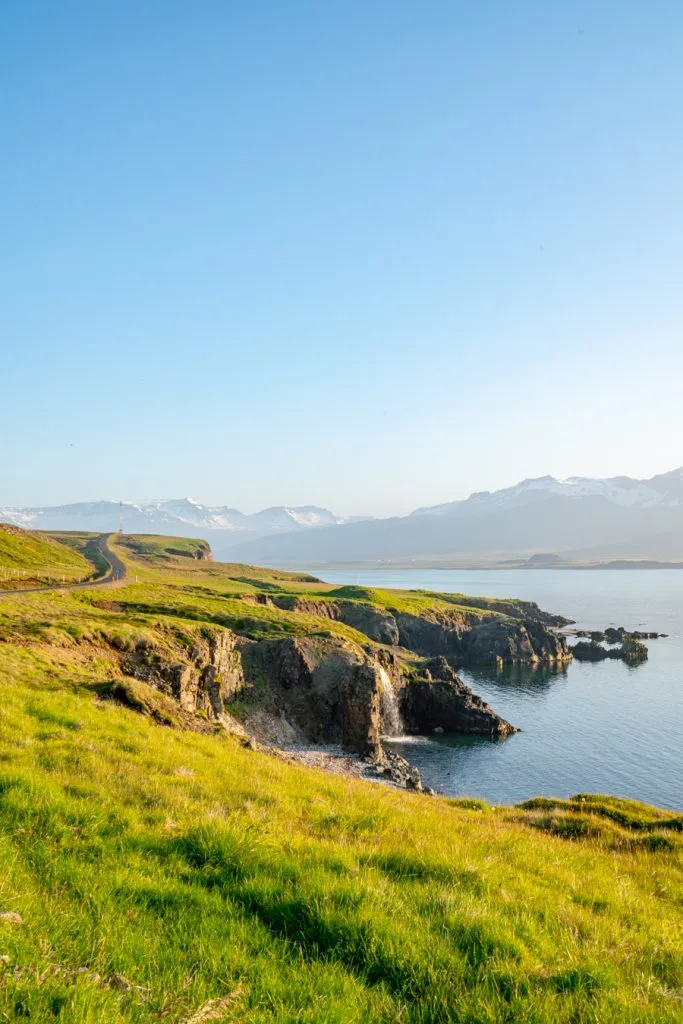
(603, 727)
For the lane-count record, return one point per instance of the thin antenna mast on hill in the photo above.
(120, 517)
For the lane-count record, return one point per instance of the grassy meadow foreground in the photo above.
(157, 870)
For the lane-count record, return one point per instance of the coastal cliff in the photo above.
(517, 633)
(309, 689)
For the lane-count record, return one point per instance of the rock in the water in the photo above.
(590, 651)
(631, 651)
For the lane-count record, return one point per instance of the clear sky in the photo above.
(370, 254)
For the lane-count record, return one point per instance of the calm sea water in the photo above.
(594, 728)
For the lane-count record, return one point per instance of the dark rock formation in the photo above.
(510, 642)
(466, 636)
(315, 689)
(329, 689)
(439, 700)
(632, 651)
(590, 651)
(488, 641)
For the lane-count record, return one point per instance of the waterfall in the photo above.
(389, 709)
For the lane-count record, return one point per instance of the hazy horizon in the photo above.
(227, 503)
(370, 257)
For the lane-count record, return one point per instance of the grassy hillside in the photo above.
(28, 559)
(154, 874)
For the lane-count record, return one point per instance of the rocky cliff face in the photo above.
(336, 692)
(203, 678)
(487, 641)
(328, 689)
(471, 638)
(309, 689)
(439, 700)
(376, 623)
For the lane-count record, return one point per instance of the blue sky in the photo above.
(371, 255)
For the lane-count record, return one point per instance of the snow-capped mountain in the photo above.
(581, 518)
(663, 490)
(173, 517)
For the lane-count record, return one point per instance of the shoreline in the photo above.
(387, 769)
(615, 565)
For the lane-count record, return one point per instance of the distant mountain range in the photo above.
(177, 517)
(663, 490)
(578, 518)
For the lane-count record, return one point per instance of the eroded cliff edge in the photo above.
(319, 688)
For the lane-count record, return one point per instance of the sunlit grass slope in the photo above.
(169, 876)
(29, 559)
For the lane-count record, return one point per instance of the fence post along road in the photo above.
(114, 574)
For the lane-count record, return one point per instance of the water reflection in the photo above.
(526, 679)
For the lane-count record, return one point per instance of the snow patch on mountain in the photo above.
(663, 490)
(169, 516)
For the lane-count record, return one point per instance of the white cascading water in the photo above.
(389, 709)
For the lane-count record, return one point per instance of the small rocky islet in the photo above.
(622, 645)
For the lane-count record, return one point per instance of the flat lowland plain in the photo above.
(150, 873)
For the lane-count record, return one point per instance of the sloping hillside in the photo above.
(155, 868)
(28, 559)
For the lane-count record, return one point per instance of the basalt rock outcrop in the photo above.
(632, 651)
(490, 641)
(439, 701)
(511, 642)
(202, 678)
(328, 689)
(520, 634)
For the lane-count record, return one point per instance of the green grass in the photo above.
(30, 559)
(84, 543)
(156, 871)
(171, 876)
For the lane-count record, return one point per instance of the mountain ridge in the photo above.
(662, 489)
(621, 515)
(167, 516)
